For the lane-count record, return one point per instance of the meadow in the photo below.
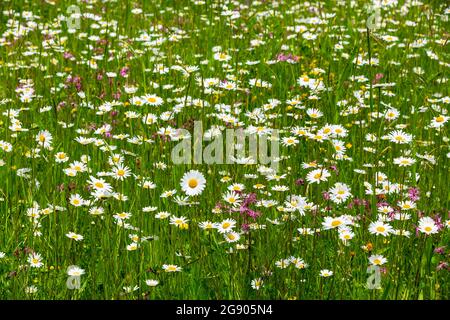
(95, 95)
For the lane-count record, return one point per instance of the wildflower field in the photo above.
(119, 179)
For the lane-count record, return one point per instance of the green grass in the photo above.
(184, 34)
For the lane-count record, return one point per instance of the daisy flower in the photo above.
(171, 268)
(377, 260)
(280, 188)
(325, 273)
(99, 184)
(305, 231)
(133, 246)
(61, 157)
(137, 101)
(236, 187)
(385, 209)
(75, 271)
(44, 138)
(35, 260)
(314, 113)
(232, 236)
(339, 193)
(152, 100)
(380, 228)
(404, 161)
(257, 283)
(76, 200)
(318, 175)
(229, 85)
(162, 215)
(121, 172)
(168, 193)
(400, 137)
(283, 263)
(193, 183)
(289, 141)
(345, 234)
(150, 119)
(427, 225)
(299, 263)
(151, 282)
(78, 166)
(439, 121)
(221, 56)
(31, 290)
(180, 222)
(232, 198)
(407, 205)
(334, 222)
(74, 236)
(122, 216)
(207, 225)
(226, 225)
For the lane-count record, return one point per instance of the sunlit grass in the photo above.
(75, 91)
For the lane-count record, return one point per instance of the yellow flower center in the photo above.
(336, 223)
(192, 183)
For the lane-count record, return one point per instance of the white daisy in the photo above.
(193, 183)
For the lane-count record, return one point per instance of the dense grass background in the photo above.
(212, 268)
